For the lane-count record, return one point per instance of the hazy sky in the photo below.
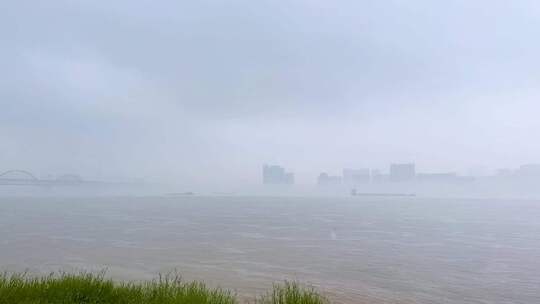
(208, 91)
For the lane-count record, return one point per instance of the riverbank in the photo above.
(89, 288)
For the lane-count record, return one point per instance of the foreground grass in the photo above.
(290, 293)
(87, 288)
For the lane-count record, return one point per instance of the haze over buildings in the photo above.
(406, 173)
(356, 175)
(381, 151)
(203, 93)
(276, 175)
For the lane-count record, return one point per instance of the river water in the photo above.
(356, 250)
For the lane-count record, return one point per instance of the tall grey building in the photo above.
(273, 174)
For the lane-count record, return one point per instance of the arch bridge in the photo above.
(21, 175)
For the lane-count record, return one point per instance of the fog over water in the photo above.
(383, 151)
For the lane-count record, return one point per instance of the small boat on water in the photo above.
(181, 193)
(354, 192)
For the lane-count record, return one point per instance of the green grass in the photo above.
(292, 292)
(88, 288)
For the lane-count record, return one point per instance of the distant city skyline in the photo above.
(178, 90)
(396, 172)
(277, 174)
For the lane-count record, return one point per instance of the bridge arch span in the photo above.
(15, 174)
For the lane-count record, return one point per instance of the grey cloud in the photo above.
(243, 82)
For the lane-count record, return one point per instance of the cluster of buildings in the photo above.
(524, 171)
(274, 174)
(398, 172)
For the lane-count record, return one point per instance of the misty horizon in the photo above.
(205, 93)
(294, 151)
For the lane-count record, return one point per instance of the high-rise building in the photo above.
(272, 174)
(356, 176)
(402, 172)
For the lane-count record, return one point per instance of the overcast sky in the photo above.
(208, 91)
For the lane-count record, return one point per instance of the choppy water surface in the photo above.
(409, 250)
